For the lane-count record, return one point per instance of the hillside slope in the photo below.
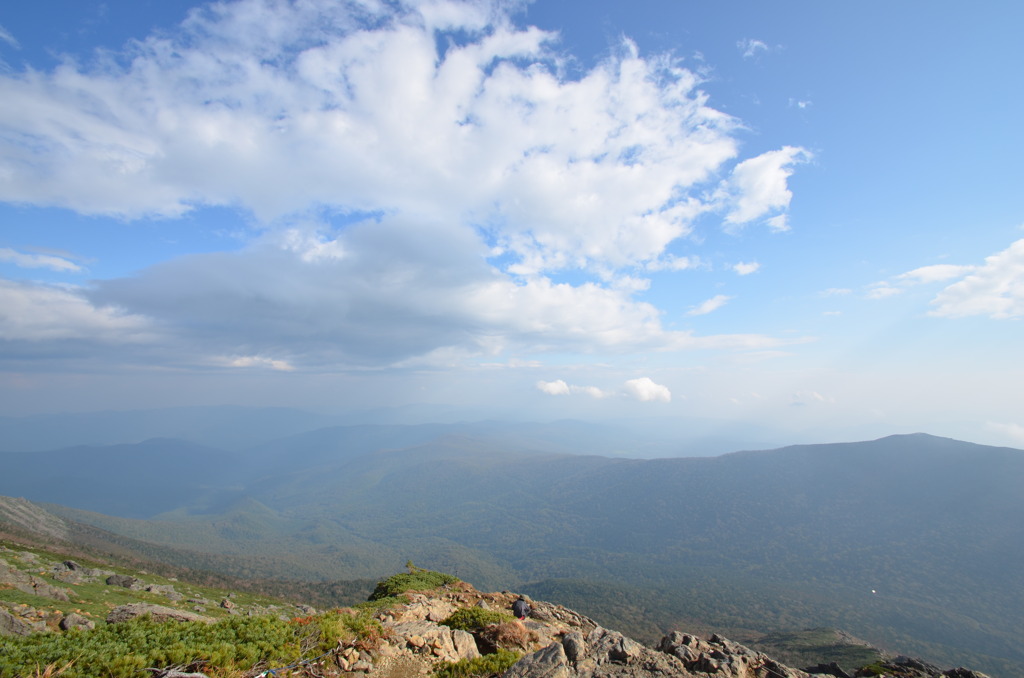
(125, 621)
(910, 540)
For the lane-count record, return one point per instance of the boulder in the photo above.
(601, 654)
(441, 642)
(721, 657)
(41, 588)
(13, 626)
(156, 612)
(13, 576)
(123, 580)
(76, 621)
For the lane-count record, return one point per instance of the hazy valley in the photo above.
(911, 542)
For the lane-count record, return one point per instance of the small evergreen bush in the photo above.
(415, 579)
(474, 619)
(481, 667)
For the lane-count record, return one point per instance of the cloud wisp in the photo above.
(994, 289)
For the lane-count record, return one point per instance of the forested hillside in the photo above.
(912, 540)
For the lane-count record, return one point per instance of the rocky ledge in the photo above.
(557, 642)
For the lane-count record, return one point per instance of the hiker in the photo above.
(521, 609)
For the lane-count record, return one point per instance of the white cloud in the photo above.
(484, 166)
(276, 107)
(31, 313)
(1014, 433)
(750, 47)
(994, 289)
(758, 187)
(712, 304)
(398, 294)
(559, 387)
(746, 268)
(6, 36)
(259, 361)
(645, 390)
(935, 273)
(882, 290)
(671, 262)
(49, 261)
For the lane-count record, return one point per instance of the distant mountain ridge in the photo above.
(912, 539)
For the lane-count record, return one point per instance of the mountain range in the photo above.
(911, 542)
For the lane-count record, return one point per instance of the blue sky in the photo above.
(804, 216)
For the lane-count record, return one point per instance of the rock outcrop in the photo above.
(156, 612)
(409, 639)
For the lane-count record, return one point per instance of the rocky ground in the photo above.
(554, 641)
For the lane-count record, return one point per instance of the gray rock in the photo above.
(721, 657)
(156, 612)
(12, 626)
(123, 580)
(41, 588)
(575, 646)
(603, 654)
(550, 662)
(76, 621)
(439, 641)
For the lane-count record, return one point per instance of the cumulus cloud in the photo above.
(557, 387)
(642, 389)
(482, 168)
(746, 268)
(760, 187)
(712, 304)
(646, 390)
(275, 107)
(560, 387)
(994, 289)
(25, 260)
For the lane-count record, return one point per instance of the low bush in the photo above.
(225, 648)
(481, 667)
(414, 580)
(473, 619)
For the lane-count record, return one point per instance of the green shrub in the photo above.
(473, 619)
(481, 667)
(124, 650)
(380, 604)
(416, 580)
(875, 669)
